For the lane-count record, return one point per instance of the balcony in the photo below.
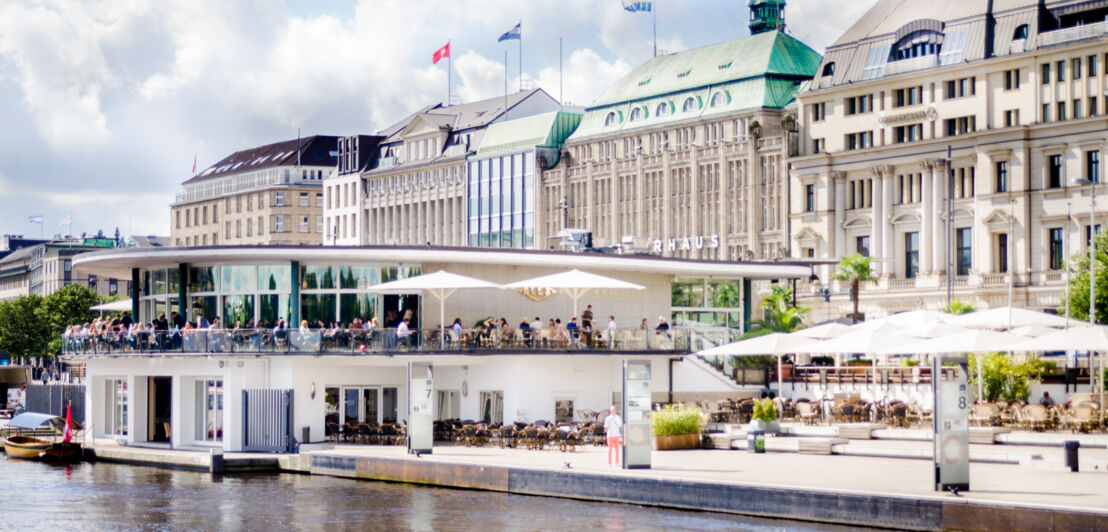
(1076, 33)
(922, 62)
(202, 342)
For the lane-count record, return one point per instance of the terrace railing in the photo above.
(378, 341)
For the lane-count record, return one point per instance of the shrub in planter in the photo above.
(765, 417)
(676, 427)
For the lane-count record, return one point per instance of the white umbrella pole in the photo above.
(980, 377)
(442, 321)
(780, 386)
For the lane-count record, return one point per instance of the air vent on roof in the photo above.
(644, 82)
(685, 73)
(726, 65)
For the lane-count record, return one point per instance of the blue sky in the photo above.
(104, 104)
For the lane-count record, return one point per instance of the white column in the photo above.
(877, 226)
(927, 214)
(888, 267)
(938, 227)
(839, 182)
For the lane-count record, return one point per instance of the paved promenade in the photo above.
(1044, 485)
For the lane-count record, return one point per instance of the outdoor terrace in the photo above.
(675, 340)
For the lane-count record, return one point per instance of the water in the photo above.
(121, 497)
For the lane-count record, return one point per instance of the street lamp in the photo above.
(1092, 247)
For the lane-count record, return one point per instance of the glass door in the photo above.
(368, 404)
(209, 410)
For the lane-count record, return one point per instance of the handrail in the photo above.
(373, 341)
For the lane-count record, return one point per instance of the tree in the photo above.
(855, 269)
(1079, 282)
(69, 306)
(23, 332)
(958, 307)
(779, 313)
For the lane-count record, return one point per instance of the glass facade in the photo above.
(707, 303)
(501, 209)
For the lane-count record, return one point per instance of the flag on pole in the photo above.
(69, 423)
(66, 220)
(194, 163)
(514, 33)
(633, 6)
(34, 219)
(440, 54)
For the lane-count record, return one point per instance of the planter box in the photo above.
(682, 441)
(772, 427)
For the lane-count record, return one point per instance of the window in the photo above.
(178, 216)
(1046, 113)
(810, 198)
(1002, 253)
(1092, 166)
(719, 99)
(1011, 80)
(1054, 171)
(1056, 258)
(319, 224)
(1020, 33)
(1076, 109)
(304, 200)
(1002, 176)
(1089, 235)
(279, 200)
(964, 250)
(304, 224)
(663, 109)
(829, 69)
(817, 146)
(859, 104)
(1061, 111)
(1011, 118)
(859, 141)
(319, 199)
(960, 126)
(689, 105)
(861, 245)
(960, 88)
(249, 227)
(907, 97)
(908, 133)
(1092, 106)
(279, 223)
(115, 415)
(911, 255)
(227, 230)
(261, 227)
(636, 114)
(1076, 63)
(1091, 64)
(819, 111)
(209, 410)
(610, 119)
(1045, 74)
(238, 228)
(1060, 71)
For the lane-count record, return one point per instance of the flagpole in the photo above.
(654, 15)
(449, 72)
(561, 82)
(520, 56)
(298, 150)
(505, 80)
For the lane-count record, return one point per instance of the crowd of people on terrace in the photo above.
(164, 332)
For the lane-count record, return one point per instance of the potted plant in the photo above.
(765, 417)
(676, 427)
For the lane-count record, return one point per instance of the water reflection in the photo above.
(120, 497)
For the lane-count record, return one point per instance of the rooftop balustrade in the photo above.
(380, 341)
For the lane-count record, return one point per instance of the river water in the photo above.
(120, 497)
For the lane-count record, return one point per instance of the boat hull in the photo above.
(35, 449)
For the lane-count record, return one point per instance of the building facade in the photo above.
(47, 267)
(1015, 95)
(414, 191)
(685, 156)
(267, 195)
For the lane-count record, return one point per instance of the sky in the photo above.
(105, 104)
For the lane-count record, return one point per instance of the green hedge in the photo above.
(676, 420)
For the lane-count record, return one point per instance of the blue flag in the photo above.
(514, 33)
(34, 219)
(633, 6)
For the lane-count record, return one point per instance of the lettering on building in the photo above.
(686, 243)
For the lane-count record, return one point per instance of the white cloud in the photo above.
(586, 76)
(819, 22)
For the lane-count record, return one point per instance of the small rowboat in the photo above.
(35, 448)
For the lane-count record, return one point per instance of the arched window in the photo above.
(829, 69)
(1021, 32)
(664, 109)
(610, 119)
(718, 99)
(689, 105)
(636, 114)
(917, 44)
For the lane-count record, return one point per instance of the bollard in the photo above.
(216, 465)
(1071, 454)
(756, 441)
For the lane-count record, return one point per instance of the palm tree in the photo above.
(957, 307)
(855, 269)
(780, 314)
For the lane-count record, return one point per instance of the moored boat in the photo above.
(20, 445)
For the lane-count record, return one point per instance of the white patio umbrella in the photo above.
(440, 284)
(932, 329)
(966, 341)
(1088, 338)
(858, 342)
(882, 325)
(1009, 317)
(113, 306)
(913, 318)
(823, 332)
(1033, 331)
(778, 344)
(575, 283)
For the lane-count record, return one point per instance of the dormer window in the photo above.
(637, 114)
(829, 69)
(718, 99)
(611, 119)
(917, 44)
(664, 109)
(1021, 32)
(689, 105)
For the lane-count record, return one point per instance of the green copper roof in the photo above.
(547, 130)
(769, 53)
(760, 71)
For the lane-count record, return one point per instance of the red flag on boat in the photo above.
(440, 54)
(69, 423)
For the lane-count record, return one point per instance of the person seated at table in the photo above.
(403, 332)
(573, 328)
(525, 330)
(1046, 399)
(536, 326)
(663, 325)
(305, 329)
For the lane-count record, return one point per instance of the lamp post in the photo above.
(1092, 269)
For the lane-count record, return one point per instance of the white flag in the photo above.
(66, 220)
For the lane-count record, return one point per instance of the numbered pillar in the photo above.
(950, 389)
(637, 402)
(420, 419)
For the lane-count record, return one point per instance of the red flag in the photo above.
(69, 423)
(194, 163)
(440, 54)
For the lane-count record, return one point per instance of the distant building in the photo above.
(414, 191)
(45, 268)
(1015, 90)
(685, 156)
(268, 195)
